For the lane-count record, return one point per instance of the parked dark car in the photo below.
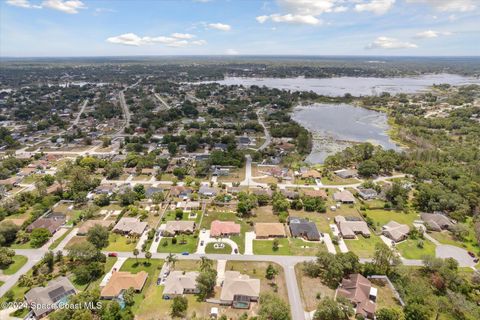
(471, 254)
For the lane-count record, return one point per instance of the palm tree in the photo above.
(171, 259)
(205, 263)
(148, 255)
(136, 253)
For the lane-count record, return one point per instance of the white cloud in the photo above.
(390, 43)
(449, 5)
(432, 34)
(231, 52)
(310, 7)
(69, 6)
(183, 35)
(375, 6)
(219, 26)
(23, 4)
(290, 18)
(131, 39)
(199, 42)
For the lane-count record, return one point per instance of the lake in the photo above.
(356, 86)
(337, 126)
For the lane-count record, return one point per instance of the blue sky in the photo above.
(42, 28)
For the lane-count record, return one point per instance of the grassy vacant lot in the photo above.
(57, 242)
(363, 247)
(311, 289)
(189, 245)
(287, 246)
(18, 262)
(228, 216)
(337, 181)
(75, 240)
(382, 217)
(227, 249)
(118, 242)
(236, 175)
(170, 216)
(410, 250)
(152, 268)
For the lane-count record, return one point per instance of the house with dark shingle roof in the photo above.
(302, 228)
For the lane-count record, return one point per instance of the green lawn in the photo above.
(363, 247)
(25, 245)
(226, 250)
(410, 250)
(382, 217)
(287, 246)
(57, 242)
(228, 216)
(18, 262)
(118, 242)
(337, 181)
(153, 268)
(190, 244)
(469, 243)
(170, 216)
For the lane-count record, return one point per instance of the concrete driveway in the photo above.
(249, 237)
(461, 255)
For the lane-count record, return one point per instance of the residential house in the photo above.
(289, 194)
(346, 173)
(436, 221)
(344, 196)
(350, 228)
(107, 189)
(178, 227)
(396, 231)
(367, 193)
(239, 290)
(315, 193)
(207, 191)
(180, 192)
(52, 223)
(188, 205)
(151, 191)
(89, 224)
(262, 192)
(302, 228)
(179, 283)
(130, 226)
(121, 281)
(359, 291)
(311, 174)
(224, 228)
(269, 230)
(47, 298)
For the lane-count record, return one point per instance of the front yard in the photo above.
(363, 247)
(185, 243)
(287, 247)
(18, 262)
(119, 242)
(410, 249)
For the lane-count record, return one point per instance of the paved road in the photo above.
(77, 119)
(268, 137)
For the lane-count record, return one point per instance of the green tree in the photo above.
(271, 272)
(273, 308)
(179, 306)
(148, 255)
(98, 236)
(205, 263)
(39, 237)
(206, 282)
(389, 314)
(129, 296)
(329, 309)
(136, 253)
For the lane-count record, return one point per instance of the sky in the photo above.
(63, 28)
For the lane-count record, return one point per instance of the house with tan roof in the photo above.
(89, 224)
(436, 221)
(359, 291)
(315, 193)
(311, 174)
(121, 281)
(264, 230)
(349, 228)
(239, 290)
(344, 196)
(396, 231)
(130, 226)
(176, 227)
(179, 283)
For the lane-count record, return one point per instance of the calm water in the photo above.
(337, 126)
(356, 86)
